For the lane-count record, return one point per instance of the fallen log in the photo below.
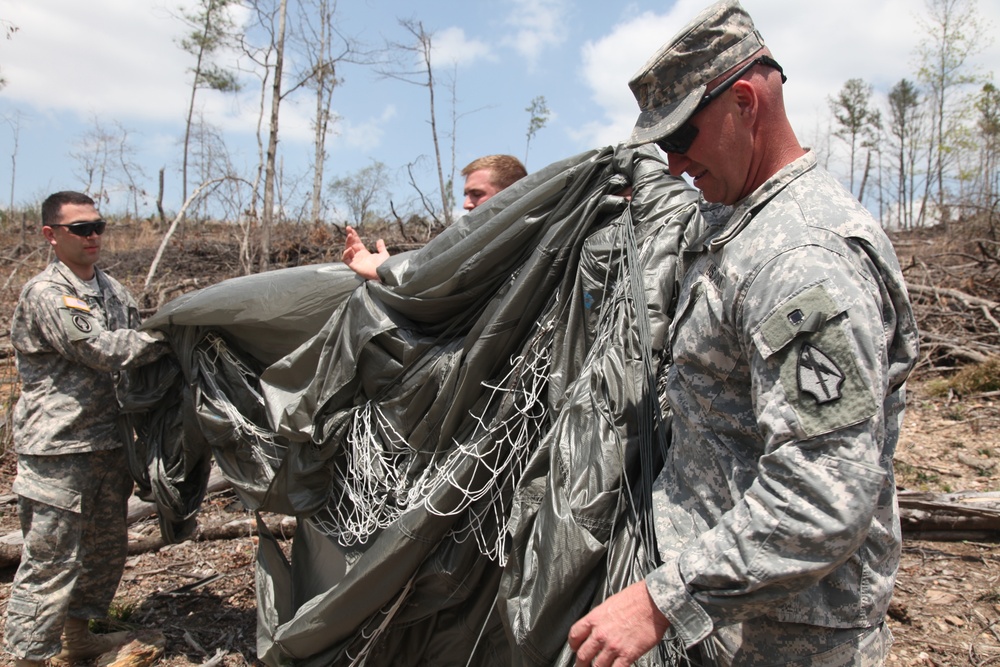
(280, 526)
(950, 517)
(10, 544)
(957, 348)
(945, 517)
(942, 293)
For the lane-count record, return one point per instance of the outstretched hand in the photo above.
(620, 630)
(361, 260)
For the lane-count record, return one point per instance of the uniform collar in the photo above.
(81, 286)
(745, 210)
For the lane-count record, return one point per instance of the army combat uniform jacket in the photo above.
(791, 344)
(71, 342)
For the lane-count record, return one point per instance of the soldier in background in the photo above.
(73, 332)
(775, 512)
(484, 177)
(488, 175)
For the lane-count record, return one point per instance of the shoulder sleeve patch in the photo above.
(823, 381)
(78, 324)
(806, 340)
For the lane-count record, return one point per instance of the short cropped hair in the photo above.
(504, 169)
(52, 206)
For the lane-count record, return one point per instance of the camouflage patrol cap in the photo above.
(671, 83)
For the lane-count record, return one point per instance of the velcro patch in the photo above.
(804, 313)
(78, 304)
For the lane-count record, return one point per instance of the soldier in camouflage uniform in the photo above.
(73, 332)
(776, 514)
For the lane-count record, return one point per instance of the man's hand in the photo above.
(619, 631)
(361, 260)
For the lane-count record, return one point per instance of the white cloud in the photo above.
(105, 56)
(115, 59)
(538, 25)
(119, 60)
(451, 47)
(820, 44)
(609, 62)
(367, 134)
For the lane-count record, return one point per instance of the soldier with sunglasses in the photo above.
(73, 332)
(775, 512)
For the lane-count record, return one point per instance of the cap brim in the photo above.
(654, 124)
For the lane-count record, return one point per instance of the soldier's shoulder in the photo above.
(45, 280)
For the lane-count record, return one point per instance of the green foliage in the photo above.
(538, 116)
(973, 379)
(121, 610)
(988, 105)
(9, 29)
(216, 78)
(859, 122)
(211, 29)
(909, 476)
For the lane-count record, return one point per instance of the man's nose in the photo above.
(468, 205)
(677, 163)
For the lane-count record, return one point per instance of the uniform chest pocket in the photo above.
(705, 351)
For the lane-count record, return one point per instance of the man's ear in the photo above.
(746, 98)
(49, 234)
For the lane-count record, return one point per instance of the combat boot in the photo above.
(79, 643)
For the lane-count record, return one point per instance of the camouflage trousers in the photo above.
(767, 643)
(72, 509)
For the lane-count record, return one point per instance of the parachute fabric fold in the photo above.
(465, 444)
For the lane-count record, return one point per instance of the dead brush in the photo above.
(973, 379)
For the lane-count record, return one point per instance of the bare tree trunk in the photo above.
(445, 204)
(319, 150)
(267, 215)
(326, 81)
(864, 177)
(173, 228)
(190, 115)
(159, 200)
(16, 126)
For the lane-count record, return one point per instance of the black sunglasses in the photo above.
(680, 140)
(83, 228)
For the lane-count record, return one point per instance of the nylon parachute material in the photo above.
(467, 445)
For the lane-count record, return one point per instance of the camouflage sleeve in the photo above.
(72, 329)
(813, 327)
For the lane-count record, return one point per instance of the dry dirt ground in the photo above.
(946, 609)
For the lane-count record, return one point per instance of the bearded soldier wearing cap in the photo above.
(73, 332)
(776, 515)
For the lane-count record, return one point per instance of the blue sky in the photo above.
(117, 61)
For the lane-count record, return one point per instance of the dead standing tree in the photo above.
(420, 51)
(269, 56)
(267, 215)
(211, 29)
(173, 228)
(323, 48)
(953, 33)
